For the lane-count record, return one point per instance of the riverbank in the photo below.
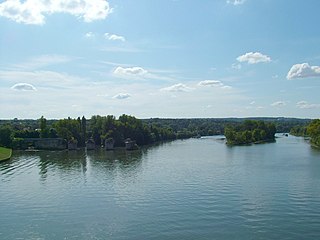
(5, 154)
(251, 143)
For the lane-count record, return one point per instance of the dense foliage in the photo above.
(299, 131)
(104, 127)
(144, 131)
(215, 126)
(5, 135)
(313, 131)
(250, 131)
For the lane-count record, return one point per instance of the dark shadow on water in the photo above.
(65, 163)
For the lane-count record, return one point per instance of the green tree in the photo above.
(313, 131)
(44, 131)
(83, 129)
(6, 136)
(68, 129)
(250, 131)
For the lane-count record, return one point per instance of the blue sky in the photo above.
(159, 58)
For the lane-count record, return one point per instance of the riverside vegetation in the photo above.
(148, 131)
(250, 132)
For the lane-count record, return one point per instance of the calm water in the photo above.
(192, 189)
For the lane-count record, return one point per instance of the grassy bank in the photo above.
(5, 153)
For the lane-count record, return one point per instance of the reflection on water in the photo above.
(73, 162)
(190, 189)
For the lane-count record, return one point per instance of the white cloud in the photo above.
(303, 70)
(213, 83)
(236, 2)
(121, 96)
(23, 87)
(278, 104)
(306, 105)
(114, 37)
(130, 72)
(210, 83)
(89, 35)
(139, 73)
(236, 66)
(177, 88)
(121, 49)
(253, 57)
(34, 11)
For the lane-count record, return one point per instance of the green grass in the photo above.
(5, 153)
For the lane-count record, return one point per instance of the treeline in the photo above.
(144, 131)
(216, 126)
(79, 130)
(299, 131)
(250, 131)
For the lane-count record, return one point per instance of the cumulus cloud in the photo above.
(114, 37)
(213, 83)
(177, 88)
(210, 83)
(278, 104)
(139, 73)
(236, 2)
(121, 96)
(306, 105)
(303, 70)
(131, 72)
(23, 87)
(34, 11)
(253, 57)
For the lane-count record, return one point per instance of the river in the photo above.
(185, 189)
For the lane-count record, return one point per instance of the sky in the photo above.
(159, 58)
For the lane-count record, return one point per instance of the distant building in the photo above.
(72, 144)
(109, 144)
(44, 143)
(130, 144)
(90, 144)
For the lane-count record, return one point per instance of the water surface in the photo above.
(191, 189)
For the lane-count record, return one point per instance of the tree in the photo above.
(68, 129)
(44, 131)
(84, 129)
(313, 131)
(250, 131)
(6, 136)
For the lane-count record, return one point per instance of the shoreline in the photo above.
(5, 154)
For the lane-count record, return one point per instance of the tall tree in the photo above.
(44, 131)
(83, 130)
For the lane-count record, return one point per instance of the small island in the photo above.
(250, 131)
